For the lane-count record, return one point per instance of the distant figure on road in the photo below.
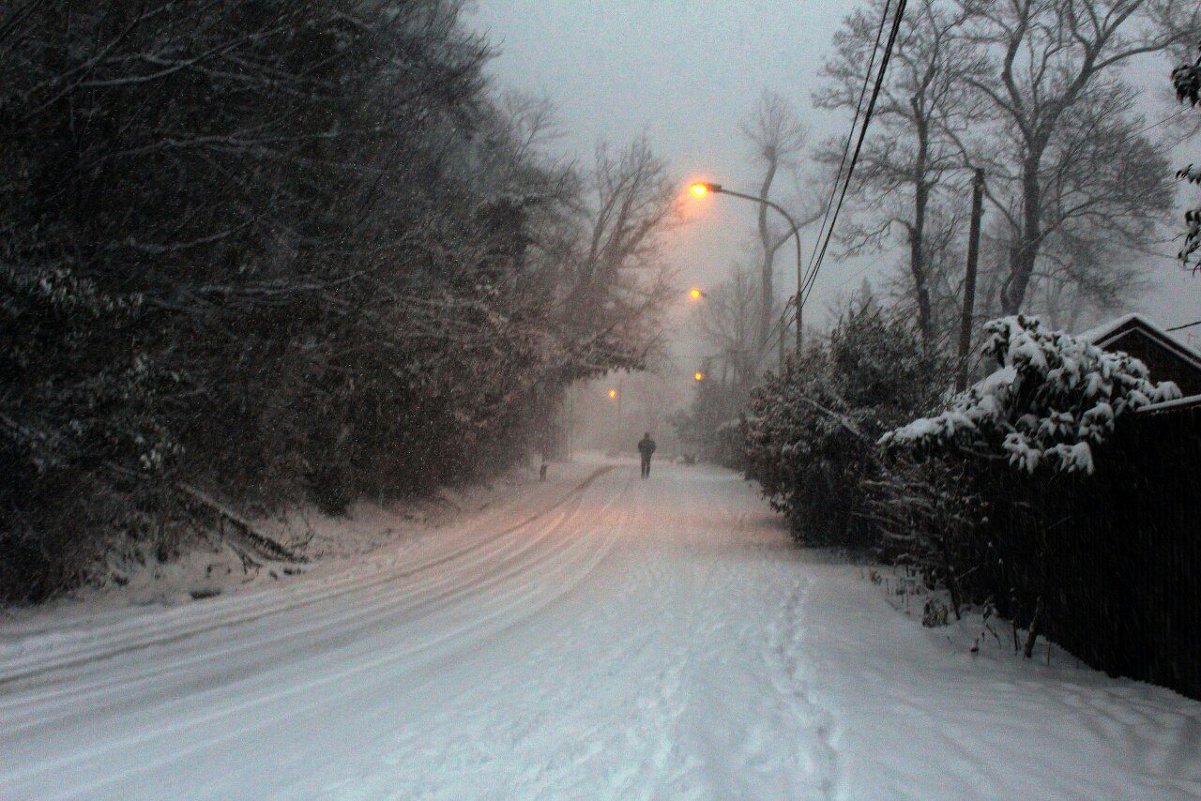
(646, 446)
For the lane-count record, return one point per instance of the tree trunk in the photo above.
(1032, 632)
(917, 234)
(766, 277)
(917, 265)
(1023, 258)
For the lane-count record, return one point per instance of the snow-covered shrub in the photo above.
(1050, 400)
(811, 440)
(85, 444)
(927, 514)
(1009, 472)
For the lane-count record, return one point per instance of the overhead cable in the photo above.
(846, 148)
(867, 118)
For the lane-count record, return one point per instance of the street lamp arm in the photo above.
(801, 278)
(765, 201)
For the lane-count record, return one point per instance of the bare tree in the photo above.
(777, 138)
(728, 322)
(1051, 78)
(911, 157)
(619, 278)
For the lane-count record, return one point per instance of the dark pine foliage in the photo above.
(272, 248)
(811, 442)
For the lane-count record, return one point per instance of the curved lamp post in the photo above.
(701, 188)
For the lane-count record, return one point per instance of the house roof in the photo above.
(1107, 333)
(1102, 329)
(1123, 332)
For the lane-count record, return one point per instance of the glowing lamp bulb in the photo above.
(698, 375)
(700, 190)
(612, 393)
(696, 294)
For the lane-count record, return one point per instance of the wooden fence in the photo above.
(1117, 558)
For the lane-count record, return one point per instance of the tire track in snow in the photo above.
(634, 694)
(33, 708)
(151, 631)
(346, 621)
(560, 567)
(486, 729)
(254, 654)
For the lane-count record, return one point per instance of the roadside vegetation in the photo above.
(284, 252)
(949, 425)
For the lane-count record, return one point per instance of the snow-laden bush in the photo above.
(811, 440)
(927, 514)
(1000, 514)
(1050, 400)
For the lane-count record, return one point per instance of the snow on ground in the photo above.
(607, 638)
(921, 717)
(370, 534)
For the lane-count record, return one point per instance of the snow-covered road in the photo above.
(615, 638)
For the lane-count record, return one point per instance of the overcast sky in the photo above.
(687, 72)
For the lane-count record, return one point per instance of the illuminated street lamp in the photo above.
(615, 394)
(702, 188)
(696, 294)
(698, 375)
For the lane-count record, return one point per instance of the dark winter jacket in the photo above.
(646, 446)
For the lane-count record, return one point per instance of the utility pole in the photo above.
(969, 282)
(800, 305)
(783, 334)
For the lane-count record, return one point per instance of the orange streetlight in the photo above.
(696, 294)
(702, 188)
(698, 375)
(615, 395)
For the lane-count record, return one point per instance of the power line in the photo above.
(892, 38)
(846, 148)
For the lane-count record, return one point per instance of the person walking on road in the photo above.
(646, 447)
